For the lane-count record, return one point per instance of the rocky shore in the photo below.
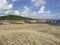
(24, 21)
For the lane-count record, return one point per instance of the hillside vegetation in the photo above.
(14, 17)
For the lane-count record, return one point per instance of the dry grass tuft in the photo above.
(26, 37)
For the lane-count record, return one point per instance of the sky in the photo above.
(39, 9)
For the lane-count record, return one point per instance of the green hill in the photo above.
(14, 17)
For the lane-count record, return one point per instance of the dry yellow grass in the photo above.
(55, 30)
(29, 34)
(27, 38)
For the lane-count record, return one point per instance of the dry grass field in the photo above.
(29, 34)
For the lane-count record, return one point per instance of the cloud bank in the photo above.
(8, 8)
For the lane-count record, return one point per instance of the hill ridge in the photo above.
(14, 17)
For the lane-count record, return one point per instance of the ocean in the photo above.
(54, 23)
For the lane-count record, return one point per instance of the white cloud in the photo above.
(5, 7)
(3, 4)
(34, 13)
(41, 10)
(16, 12)
(38, 3)
(26, 11)
(48, 12)
(8, 12)
(33, 0)
(10, 6)
(14, 0)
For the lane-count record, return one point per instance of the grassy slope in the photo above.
(26, 37)
(34, 34)
(14, 17)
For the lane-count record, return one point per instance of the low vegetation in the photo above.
(14, 17)
(29, 34)
(26, 37)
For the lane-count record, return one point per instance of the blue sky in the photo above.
(42, 9)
